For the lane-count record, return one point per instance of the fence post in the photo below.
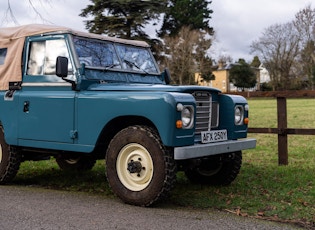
(282, 134)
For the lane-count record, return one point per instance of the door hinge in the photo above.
(73, 134)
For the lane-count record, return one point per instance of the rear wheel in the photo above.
(140, 170)
(10, 160)
(80, 163)
(217, 170)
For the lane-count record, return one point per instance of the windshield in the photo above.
(108, 55)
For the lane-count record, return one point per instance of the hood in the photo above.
(149, 87)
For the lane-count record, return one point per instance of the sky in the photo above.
(237, 23)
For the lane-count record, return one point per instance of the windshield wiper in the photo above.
(131, 64)
(111, 66)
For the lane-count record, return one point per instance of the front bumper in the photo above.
(204, 150)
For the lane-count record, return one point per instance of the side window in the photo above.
(3, 54)
(43, 55)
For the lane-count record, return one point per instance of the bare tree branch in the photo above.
(9, 15)
(34, 9)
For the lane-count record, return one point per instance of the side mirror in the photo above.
(62, 67)
(167, 76)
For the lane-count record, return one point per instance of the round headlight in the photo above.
(238, 115)
(187, 117)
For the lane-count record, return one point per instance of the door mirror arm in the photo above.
(62, 70)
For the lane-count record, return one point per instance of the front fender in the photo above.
(227, 105)
(96, 109)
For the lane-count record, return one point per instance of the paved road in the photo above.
(42, 209)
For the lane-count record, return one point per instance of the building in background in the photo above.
(222, 79)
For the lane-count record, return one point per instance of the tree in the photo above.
(279, 48)
(122, 18)
(179, 55)
(225, 59)
(185, 55)
(187, 37)
(205, 68)
(202, 59)
(306, 64)
(242, 75)
(288, 51)
(305, 24)
(256, 62)
(186, 13)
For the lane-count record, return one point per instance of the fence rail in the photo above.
(282, 130)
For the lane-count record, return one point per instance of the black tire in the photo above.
(217, 170)
(140, 170)
(79, 164)
(10, 160)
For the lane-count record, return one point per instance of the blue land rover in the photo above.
(81, 97)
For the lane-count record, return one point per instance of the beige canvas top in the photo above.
(12, 39)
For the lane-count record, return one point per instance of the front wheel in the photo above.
(140, 170)
(10, 160)
(216, 170)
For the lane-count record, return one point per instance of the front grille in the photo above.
(207, 114)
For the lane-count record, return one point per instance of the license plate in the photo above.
(214, 136)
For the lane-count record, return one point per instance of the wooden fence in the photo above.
(282, 130)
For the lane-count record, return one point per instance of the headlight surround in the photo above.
(238, 115)
(187, 115)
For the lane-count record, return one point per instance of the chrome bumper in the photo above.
(204, 150)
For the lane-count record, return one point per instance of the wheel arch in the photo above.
(116, 125)
(2, 129)
(9, 132)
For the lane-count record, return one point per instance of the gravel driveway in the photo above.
(37, 208)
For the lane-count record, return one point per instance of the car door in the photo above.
(46, 102)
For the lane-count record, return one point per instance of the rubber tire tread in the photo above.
(225, 176)
(11, 160)
(153, 194)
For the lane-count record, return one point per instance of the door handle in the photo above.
(26, 107)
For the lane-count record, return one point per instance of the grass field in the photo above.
(263, 189)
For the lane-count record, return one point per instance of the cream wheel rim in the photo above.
(72, 161)
(134, 167)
